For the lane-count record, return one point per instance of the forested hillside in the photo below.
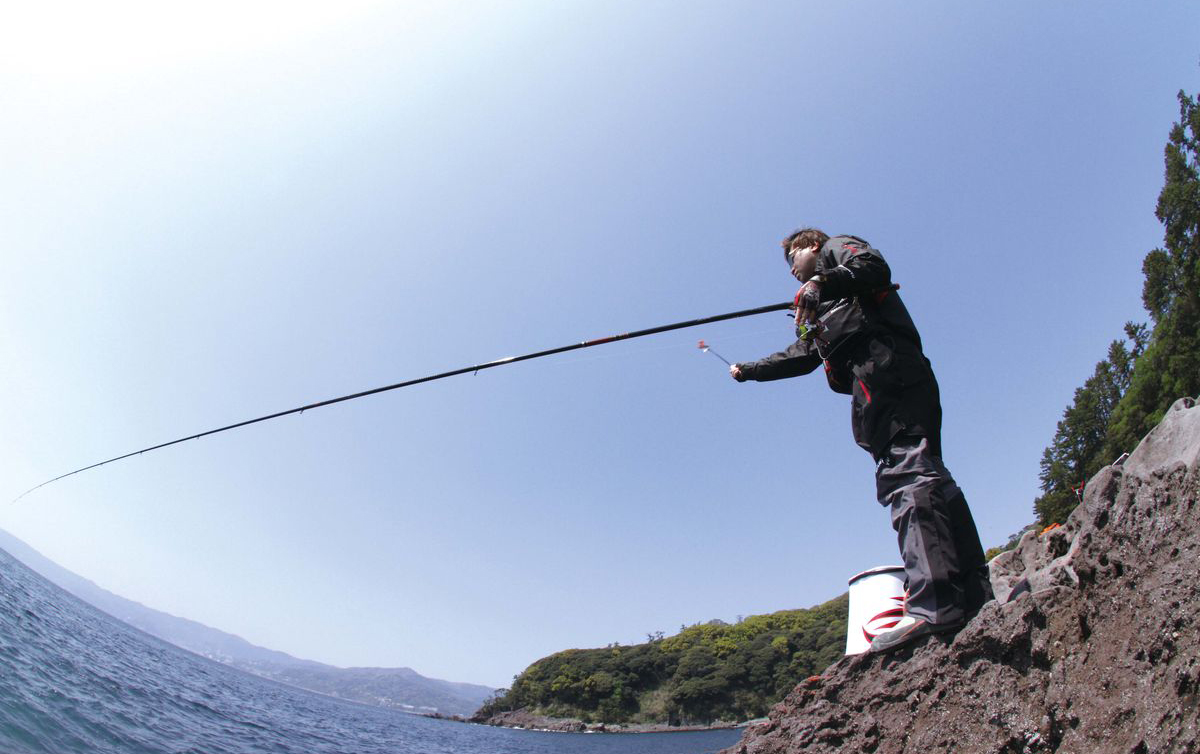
(707, 672)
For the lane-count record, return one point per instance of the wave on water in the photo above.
(74, 680)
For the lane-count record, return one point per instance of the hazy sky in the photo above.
(213, 211)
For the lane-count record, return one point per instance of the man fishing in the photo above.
(850, 319)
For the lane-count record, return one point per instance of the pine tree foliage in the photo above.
(1131, 390)
(1077, 450)
(1170, 367)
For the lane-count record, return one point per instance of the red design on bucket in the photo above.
(877, 624)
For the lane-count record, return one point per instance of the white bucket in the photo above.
(876, 604)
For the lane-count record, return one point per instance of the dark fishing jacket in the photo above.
(869, 347)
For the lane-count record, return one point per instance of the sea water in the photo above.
(75, 680)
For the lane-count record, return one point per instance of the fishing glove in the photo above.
(808, 298)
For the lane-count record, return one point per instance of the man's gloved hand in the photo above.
(808, 298)
(736, 371)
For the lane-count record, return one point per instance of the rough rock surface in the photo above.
(524, 719)
(1091, 646)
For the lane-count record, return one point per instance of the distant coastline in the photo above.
(402, 689)
(523, 720)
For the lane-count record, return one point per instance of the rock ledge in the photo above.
(1091, 646)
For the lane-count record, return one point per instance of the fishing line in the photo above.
(609, 357)
(623, 354)
(430, 378)
(740, 335)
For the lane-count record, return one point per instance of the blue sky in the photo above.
(217, 211)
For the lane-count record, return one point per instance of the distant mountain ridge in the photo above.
(398, 688)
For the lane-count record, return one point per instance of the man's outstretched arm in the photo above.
(797, 359)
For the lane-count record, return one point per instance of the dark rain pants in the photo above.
(947, 575)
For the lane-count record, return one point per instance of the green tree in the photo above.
(706, 672)
(1130, 391)
(1170, 367)
(1077, 450)
(700, 684)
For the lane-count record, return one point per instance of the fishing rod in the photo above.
(431, 378)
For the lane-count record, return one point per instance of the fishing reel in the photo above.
(810, 331)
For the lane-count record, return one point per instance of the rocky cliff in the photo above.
(1090, 647)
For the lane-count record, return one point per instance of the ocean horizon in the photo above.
(76, 680)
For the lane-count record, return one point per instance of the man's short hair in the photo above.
(807, 237)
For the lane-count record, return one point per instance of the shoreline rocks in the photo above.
(1092, 645)
(525, 720)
